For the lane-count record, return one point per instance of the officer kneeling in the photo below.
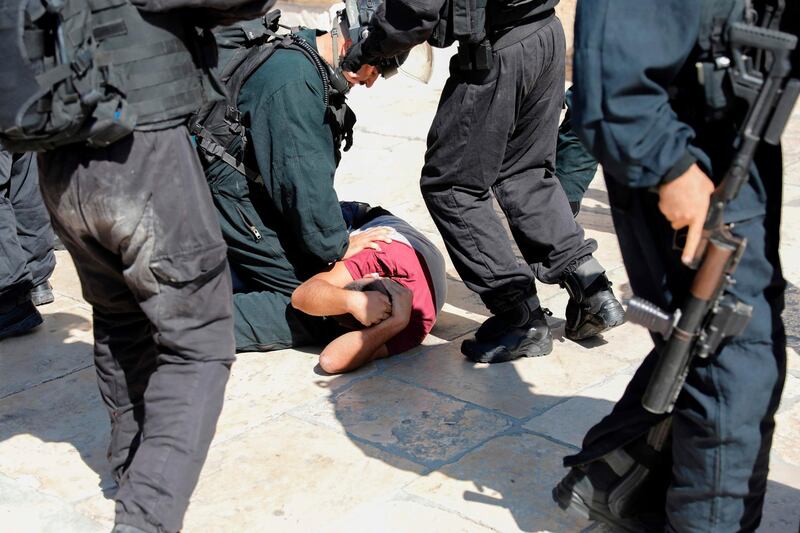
(270, 155)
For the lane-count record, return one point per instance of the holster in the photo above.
(475, 56)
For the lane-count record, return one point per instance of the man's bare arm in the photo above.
(324, 295)
(357, 348)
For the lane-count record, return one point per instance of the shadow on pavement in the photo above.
(61, 408)
(493, 457)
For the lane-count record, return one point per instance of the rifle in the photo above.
(709, 315)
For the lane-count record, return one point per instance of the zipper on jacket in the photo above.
(250, 226)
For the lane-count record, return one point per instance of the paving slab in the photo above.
(65, 280)
(505, 485)
(408, 421)
(23, 509)
(455, 322)
(786, 443)
(54, 437)
(781, 512)
(264, 385)
(62, 344)
(520, 388)
(418, 442)
(405, 516)
(628, 342)
(289, 475)
(568, 421)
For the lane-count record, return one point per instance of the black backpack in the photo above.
(53, 77)
(244, 47)
(90, 71)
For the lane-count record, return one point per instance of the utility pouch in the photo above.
(58, 85)
(475, 57)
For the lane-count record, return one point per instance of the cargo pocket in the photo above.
(197, 265)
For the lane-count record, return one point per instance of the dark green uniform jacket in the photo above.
(280, 234)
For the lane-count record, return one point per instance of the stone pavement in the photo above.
(424, 441)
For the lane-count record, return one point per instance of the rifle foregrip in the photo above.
(672, 366)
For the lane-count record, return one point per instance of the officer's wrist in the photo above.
(679, 169)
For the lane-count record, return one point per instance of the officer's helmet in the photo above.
(354, 23)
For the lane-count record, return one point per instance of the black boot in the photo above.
(580, 494)
(625, 488)
(519, 332)
(592, 306)
(19, 319)
(42, 294)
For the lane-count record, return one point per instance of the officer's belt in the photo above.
(503, 38)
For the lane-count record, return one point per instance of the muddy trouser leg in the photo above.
(137, 219)
(264, 318)
(575, 166)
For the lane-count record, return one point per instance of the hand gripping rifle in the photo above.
(709, 315)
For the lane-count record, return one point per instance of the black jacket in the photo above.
(399, 25)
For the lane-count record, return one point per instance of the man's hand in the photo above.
(684, 202)
(401, 301)
(366, 75)
(368, 239)
(369, 307)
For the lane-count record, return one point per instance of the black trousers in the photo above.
(138, 221)
(26, 238)
(495, 135)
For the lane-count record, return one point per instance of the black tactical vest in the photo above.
(92, 71)
(470, 21)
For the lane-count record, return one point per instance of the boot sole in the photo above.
(527, 348)
(616, 316)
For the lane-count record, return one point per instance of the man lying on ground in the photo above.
(388, 299)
